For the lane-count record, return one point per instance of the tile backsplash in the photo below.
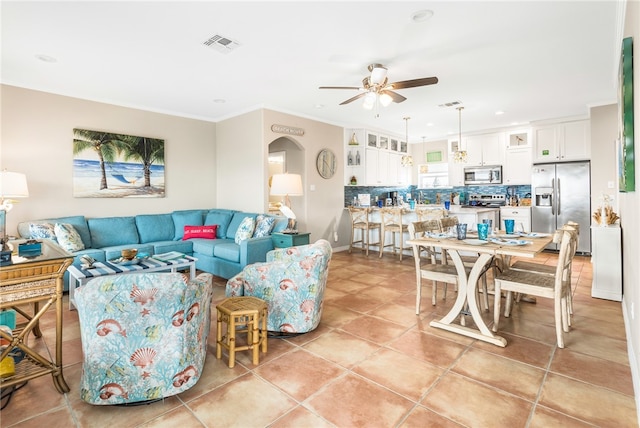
(430, 195)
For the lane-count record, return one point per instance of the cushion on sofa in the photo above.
(229, 251)
(207, 247)
(220, 218)
(264, 224)
(184, 218)
(155, 227)
(245, 230)
(237, 218)
(43, 231)
(162, 247)
(68, 237)
(113, 231)
(205, 232)
(78, 221)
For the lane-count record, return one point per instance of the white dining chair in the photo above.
(540, 285)
(427, 266)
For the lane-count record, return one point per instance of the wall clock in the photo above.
(326, 163)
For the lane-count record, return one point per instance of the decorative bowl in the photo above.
(129, 254)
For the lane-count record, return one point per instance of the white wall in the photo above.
(629, 209)
(604, 131)
(37, 139)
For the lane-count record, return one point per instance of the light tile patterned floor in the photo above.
(374, 363)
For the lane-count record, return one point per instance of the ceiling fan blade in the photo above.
(395, 97)
(413, 83)
(339, 87)
(354, 98)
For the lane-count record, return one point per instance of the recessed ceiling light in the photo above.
(319, 106)
(219, 101)
(46, 58)
(429, 124)
(421, 15)
(499, 112)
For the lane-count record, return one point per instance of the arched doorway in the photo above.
(287, 155)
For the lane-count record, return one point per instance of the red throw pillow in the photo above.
(207, 232)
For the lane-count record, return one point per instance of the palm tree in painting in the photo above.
(147, 151)
(104, 144)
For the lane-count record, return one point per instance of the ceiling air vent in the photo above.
(221, 43)
(450, 104)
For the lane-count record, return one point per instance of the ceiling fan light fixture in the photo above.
(378, 74)
(369, 100)
(385, 99)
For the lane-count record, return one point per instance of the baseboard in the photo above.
(633, 363)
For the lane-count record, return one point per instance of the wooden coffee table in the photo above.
(81, 276)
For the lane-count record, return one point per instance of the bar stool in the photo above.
(360, 221)
(391, 221)
(247, 311)
(424, 214)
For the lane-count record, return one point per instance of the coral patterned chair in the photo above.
(292, 281)
(144, 335)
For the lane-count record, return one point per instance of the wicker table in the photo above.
(29, 282)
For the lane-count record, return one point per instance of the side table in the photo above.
(284, 240)
(35, 280)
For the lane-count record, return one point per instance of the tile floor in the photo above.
(373, 363)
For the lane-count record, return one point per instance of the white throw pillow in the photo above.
(245, 230)
(42, 231)
(68, 237)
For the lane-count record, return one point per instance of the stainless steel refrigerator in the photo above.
(562, 193)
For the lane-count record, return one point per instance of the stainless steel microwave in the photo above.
(483, 174)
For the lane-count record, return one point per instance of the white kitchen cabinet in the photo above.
(486, 149)
(562, 142)
(519, 214)
(394, 168)
(606, 256)
(517, 166)
(377, 167)
(456, 170)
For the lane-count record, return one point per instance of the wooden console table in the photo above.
(34, 282)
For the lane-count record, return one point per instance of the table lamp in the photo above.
(287, 185)
(12, 185)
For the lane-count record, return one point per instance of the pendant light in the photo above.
(407, 160)
(460, 156)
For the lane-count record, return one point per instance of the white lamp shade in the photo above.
(13, 185)
(286, 184)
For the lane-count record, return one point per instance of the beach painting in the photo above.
(109, 165)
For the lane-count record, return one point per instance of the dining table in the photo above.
(497, 248)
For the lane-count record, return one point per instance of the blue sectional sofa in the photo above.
(105, 237)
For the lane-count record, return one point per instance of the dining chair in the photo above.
(541, 285)
(434, 271)
(391, 220)
(551, 270)
(360, 220)
(446, 223)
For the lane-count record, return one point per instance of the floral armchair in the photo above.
(292, 281)
(144, 335)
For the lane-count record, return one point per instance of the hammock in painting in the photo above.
(123, 179)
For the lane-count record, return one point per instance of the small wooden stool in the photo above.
(242, 311)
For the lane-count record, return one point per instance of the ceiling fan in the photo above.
(377, 86)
